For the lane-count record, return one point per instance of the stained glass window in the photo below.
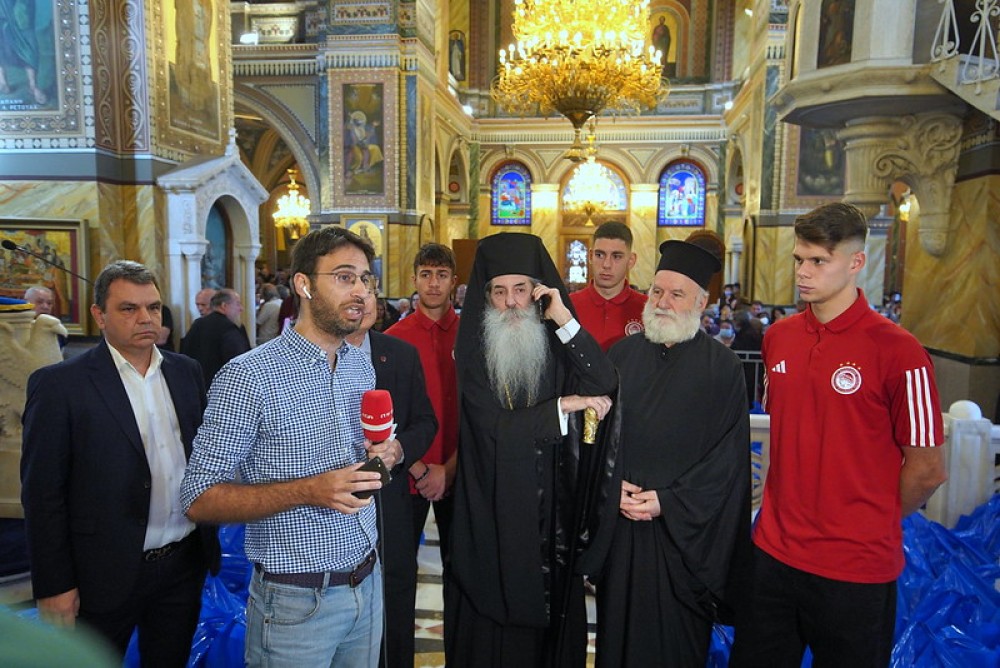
(682, 196)
(511, 189)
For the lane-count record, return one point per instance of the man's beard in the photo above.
(516, 348)
(327, 317)
(670, 327)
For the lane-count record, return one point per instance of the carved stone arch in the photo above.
(705, 158)
(295, 135)
(192, 189)
(458, 152)
(530, 160)
(735, 171)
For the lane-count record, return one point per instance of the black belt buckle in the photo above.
(359, 574)
(158, 553)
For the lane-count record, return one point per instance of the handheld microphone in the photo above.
(376, 415)
(11, 246)
(376, 423)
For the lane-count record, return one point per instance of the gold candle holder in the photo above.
(590, 422)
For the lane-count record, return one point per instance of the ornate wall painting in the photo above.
(364, 143)
(836, 33)
(193, 68)
(28, 73)
(371, 228)
(364, 152)
(40, 72)
(191, 110)
(821, 164)
(456, 54)
(61, 242)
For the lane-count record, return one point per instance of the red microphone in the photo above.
(376, 415)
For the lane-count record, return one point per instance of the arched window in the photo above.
(215, 269)
(511, 195)
(682, 196)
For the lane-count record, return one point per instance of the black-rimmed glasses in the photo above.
(346, 279)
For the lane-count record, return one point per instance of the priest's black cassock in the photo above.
(685, 433)
(513, 600)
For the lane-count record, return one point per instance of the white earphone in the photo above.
(306, 290)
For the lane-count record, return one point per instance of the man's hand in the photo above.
(556, 311)
(638, 504)
(390, 451)
(335, 489)
(434, 485)
(574, 403)
(60, 610)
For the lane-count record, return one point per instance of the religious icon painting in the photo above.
(511, 195)
(681, 196)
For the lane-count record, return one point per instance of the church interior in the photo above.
(171, 133)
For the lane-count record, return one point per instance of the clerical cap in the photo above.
(513, 253)
(686, 258)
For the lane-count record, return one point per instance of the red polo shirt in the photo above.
(609, 320)
(435, 341)
(846, 399)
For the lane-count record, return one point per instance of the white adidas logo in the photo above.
(779, 367)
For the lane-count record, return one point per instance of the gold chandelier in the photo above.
(579, 57)
(293, 210)
(591, 188)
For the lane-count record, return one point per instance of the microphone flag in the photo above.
(376, 415)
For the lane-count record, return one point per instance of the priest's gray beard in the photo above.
(667, 326)
(516, 347)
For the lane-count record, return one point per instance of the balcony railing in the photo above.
(980, 59)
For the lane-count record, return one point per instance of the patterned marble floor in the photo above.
(429, 632)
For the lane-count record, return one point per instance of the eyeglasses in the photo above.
(346, 279)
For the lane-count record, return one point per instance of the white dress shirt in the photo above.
(160, 431)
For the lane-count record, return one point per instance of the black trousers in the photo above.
(843, 623)
(443, 510)
(164, 606)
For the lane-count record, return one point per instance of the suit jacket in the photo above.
(398, 370)
(85, 478)
(213, 340)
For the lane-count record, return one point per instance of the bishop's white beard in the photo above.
(516, 348)
(669, 327)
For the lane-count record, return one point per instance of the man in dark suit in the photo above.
(398, 370)
(217, 337)
(106, 440)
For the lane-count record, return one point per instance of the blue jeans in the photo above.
(293, 627)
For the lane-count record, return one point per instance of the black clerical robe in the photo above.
(685, 433)
(513, 600)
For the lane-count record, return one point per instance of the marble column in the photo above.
(921, 150)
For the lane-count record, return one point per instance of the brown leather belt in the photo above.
(325, 578)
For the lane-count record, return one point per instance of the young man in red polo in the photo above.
(855, 429)
(431, 329)
(608, 308)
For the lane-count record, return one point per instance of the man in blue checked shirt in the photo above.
(286, 415)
